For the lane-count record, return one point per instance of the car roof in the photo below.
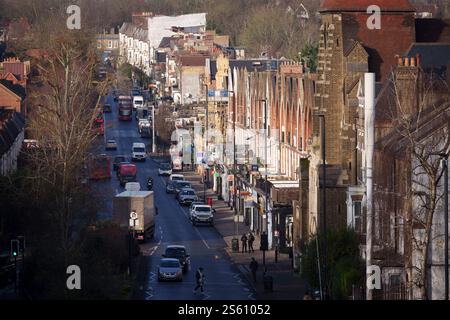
(187, 189)
(203, 205)
(177, 175)
(170, 259)
(138, 144)
(176, 246)
(111, 140)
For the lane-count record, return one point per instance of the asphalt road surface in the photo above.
(223, 281)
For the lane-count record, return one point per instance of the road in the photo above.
(223, 281)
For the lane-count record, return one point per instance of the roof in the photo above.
(165, 42)
(362, 5)
(433, 56)
(161, 26)
(17, 89)
(11, 124)
(255, 64)
(192, 61)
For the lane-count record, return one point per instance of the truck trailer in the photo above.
(136, 210)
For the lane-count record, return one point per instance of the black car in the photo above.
(107, 108)
(117, 161)
(180, 253)
(170, 187)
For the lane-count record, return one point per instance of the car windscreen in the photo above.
(175, 252)
(170, 264)
(202, 209)
(138, 102)
(165, 166)
(188, 193)
(138, 149)
(183, 184)
(177, 178)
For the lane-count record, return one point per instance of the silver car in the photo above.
(170, 269)
(186, 196)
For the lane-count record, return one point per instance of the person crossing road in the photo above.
(200, 280)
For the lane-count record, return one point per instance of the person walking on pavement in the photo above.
(200, 279)
(251, 239)
(254, 268)
(244, 243)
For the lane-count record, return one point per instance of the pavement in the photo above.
(287, 284)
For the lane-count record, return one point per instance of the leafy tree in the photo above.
(344, 264)
(309, 54)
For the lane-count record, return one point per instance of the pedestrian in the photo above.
(307, 296)
(251, 239)
(200, 279)
(254, 268)
(244, 243)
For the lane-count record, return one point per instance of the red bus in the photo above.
(99, 124)
(125, 108)
(99, 167)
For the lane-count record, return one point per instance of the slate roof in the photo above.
(433, 56)
(11, 124)
(165, 42)
(15, 88)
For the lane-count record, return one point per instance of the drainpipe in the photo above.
(369, 116)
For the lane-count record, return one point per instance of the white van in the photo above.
(138, 101)
(138, 152)
(132, 186)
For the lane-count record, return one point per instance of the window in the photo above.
(99, 44)
(357, 218)
(110, 44)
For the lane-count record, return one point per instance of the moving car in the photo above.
(202, 214)
(117, 161)
(165, 169)
(170, 269)
(181, 185)
(178, 177)
(107, 108)
(138, 151)
(170, 187)
(186, 196)
(178, 252)
(111, 145)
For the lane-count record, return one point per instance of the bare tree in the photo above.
(418, 109)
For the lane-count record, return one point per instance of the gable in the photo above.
(6, 91)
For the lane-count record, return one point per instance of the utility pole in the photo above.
(266, 189)
(235, 172)
(205, 152)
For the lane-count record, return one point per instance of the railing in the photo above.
(387, 292)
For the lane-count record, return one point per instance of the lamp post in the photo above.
(133, 218)
(206, 142)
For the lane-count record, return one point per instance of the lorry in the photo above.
(127, 173)
(136, 210)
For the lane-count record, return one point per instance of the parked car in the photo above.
(202, 214)
(165, 169)
(117, 161)
(186, 196)
(193, 204)
(178, 252)
(181, 185)
(111, 145)
(178, 177)
(107, 108)
(170, 269)
(170, 187)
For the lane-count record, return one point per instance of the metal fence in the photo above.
(387, 292)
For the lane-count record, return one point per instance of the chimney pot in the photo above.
(406, 62)
(399, 60)
(412, 62)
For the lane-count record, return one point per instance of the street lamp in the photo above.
(324, 202)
